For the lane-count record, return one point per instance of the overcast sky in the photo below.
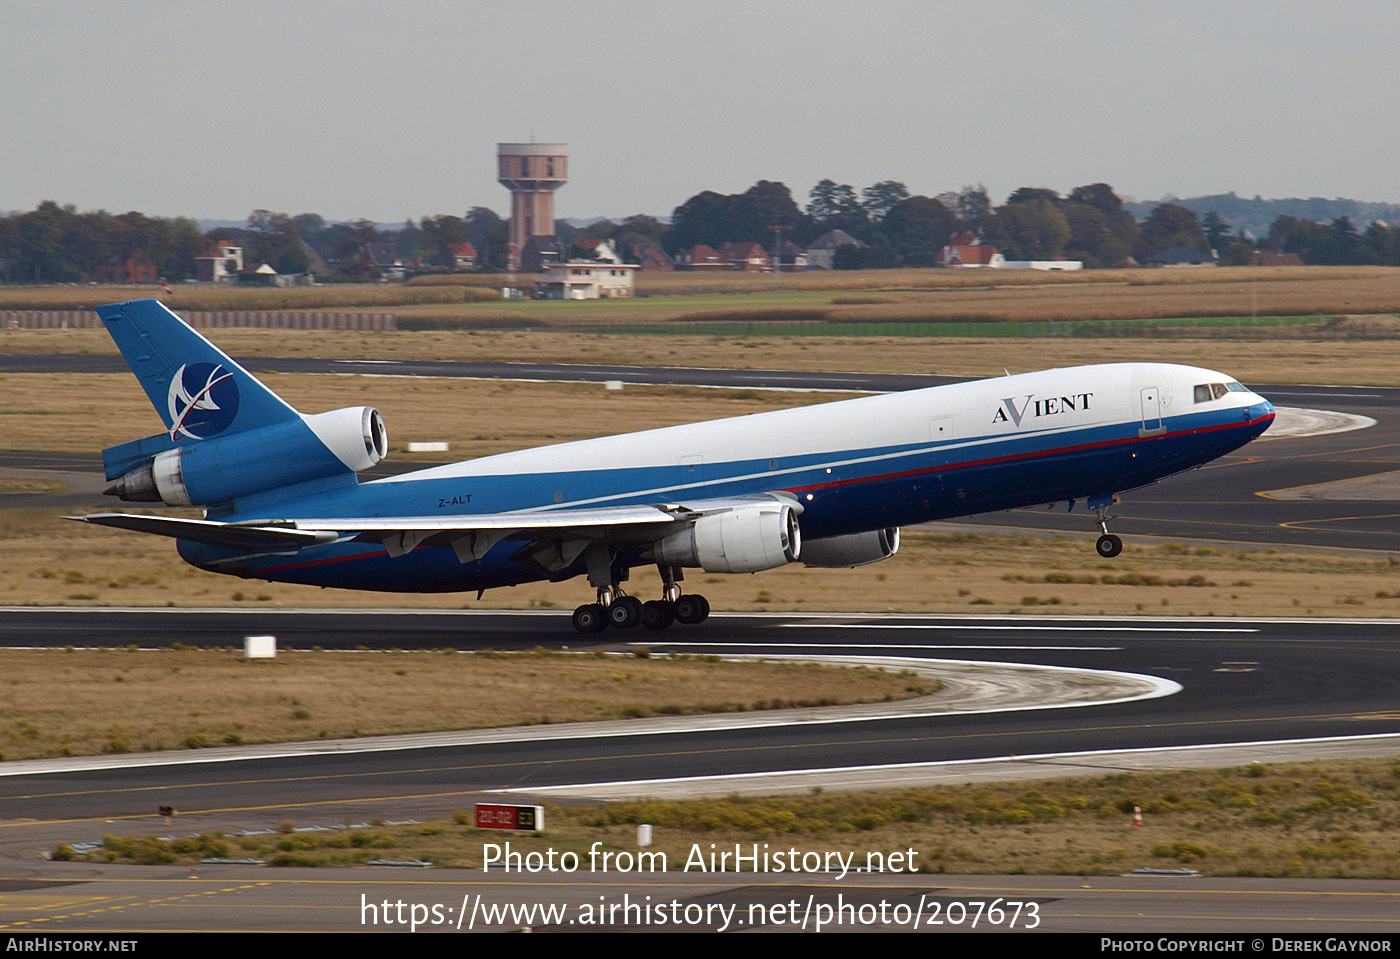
(393, 110)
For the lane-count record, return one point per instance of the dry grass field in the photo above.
(1333, 819)
(1355, 361)
(56, 702)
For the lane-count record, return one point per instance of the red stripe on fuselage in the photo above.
(323, 562)
(1030, 455)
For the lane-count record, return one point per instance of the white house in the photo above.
(221, 265)
(585, 280)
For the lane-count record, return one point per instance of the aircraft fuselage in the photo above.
(880, 461)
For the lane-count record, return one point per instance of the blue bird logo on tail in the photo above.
(203, 401)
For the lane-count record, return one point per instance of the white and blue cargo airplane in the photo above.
(825, 485)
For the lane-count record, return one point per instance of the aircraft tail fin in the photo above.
(228, 438)
(195, 387)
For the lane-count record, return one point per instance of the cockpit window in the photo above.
(1206, 392)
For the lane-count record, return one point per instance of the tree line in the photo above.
(1091, 223)
(58, 244)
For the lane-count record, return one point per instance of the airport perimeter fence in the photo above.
(1260, 326)
(207, 319)
(1311, 326)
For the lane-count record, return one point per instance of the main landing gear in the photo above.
(625, 612)
(615, 608)
(1108, 545)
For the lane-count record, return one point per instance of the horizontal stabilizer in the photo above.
(119, 460)
(229, 535)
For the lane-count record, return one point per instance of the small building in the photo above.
(788, 256)
(540, 252)
(821, 254)
(652, 259)
(134, 268)
(747, 257)
(586, 280)
(383, 258)
(462, 255)
(975, 255)
(1180, 256)
(222, 264)
(702, 257)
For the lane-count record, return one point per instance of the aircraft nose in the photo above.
(1261, 409)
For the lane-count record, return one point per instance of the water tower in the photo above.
(531, 172)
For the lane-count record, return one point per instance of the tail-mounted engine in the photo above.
(223, 468)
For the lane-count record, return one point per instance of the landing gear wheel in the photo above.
(591, 618)
(1109, 546)
(625, 612)
(692, 608)
(658, 614)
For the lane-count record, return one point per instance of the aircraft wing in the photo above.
(471, 535)
(399, 534)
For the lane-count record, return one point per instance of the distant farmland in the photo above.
(1292, 300)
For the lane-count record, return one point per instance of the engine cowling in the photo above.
(226, 467)
(855, 549)
(745, 540)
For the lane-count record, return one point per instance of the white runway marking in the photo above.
(882, 646)
(1054, 629)
(991, 769)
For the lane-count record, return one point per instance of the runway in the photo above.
(1243, 681)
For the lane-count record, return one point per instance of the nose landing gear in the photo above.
(1108, 545)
